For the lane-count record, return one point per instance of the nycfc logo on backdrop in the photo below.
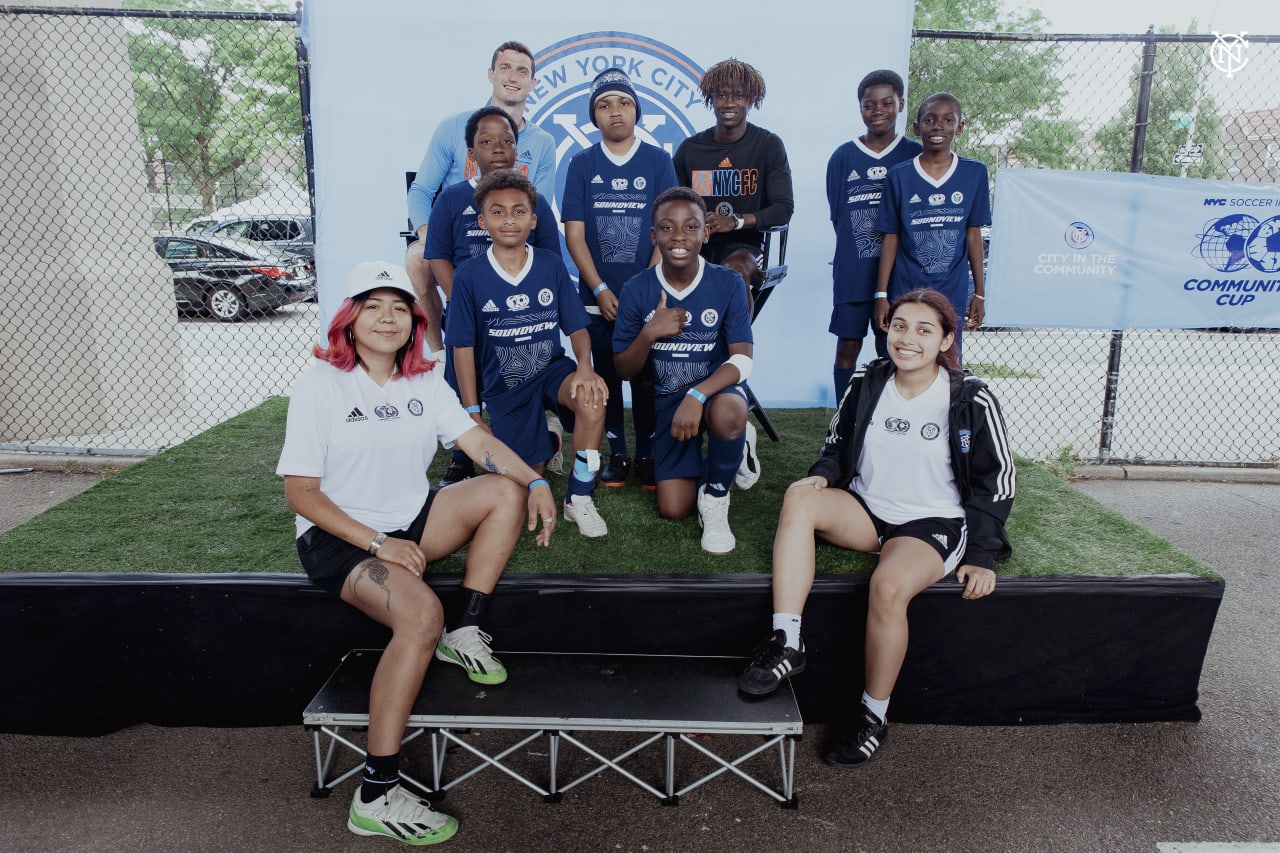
(1078, 236)
(897, 426)
(387, 412)
(930, 431)
(415, 407)
(666, 83)
(544, 297)
(877, 173)
(1235, 242)
(710, 317)
(518, 301)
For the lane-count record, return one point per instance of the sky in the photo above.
(1110, 16)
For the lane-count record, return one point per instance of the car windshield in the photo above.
(248, 250)
(199, 226)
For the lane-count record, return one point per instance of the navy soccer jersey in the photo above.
(855, 180)
(930, 218)
(453, 234)
(613, 198)
(514, 321)
(716, 304)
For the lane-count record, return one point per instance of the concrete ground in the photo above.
(1214, 785)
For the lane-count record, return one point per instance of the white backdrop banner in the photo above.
(384, 74)
(1101, 250)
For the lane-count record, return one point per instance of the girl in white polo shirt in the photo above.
(364, 423)
(917, 467)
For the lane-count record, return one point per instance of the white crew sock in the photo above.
(879, 707)
(788, 623)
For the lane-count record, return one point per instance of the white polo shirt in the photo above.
(904, 470)
(370, 446)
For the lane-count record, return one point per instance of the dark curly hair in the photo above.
(473, 124)
(505, 179)
(883, 77)
(730, 75)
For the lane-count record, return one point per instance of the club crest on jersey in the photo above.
(937, 199)
(518, 301)
(930, 431)
(545, 297)
(415, 407)
(897, 426)
(965, 436)
(640, 182)
(877, 173)
(710, 317)
(387, 412)
(619, 184)
(957, 197)
(666, 83)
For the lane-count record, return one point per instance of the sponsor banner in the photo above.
(1113, 251)
(385, 74)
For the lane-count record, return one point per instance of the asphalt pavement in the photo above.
(1213, 785)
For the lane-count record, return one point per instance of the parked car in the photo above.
(232, 279)
(286, 233)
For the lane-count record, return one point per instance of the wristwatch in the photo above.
(740, 222)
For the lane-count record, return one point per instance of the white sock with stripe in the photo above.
(789, 624)
(879, 707)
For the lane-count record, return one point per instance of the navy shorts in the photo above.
(518, 416)
(674, 459)
(947, 536)
(328, 560)
(852, 319)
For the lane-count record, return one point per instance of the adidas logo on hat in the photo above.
(725, 164)
(382, 276)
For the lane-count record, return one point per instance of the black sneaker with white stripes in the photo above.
(772, 662)
(855, 746)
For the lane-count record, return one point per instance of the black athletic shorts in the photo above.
(328, 560)
(947, 536)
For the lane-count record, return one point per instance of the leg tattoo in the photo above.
(377, 572)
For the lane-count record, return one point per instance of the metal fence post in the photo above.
(304, 101)
(1135, 165)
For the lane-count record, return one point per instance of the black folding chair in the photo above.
(761, 290)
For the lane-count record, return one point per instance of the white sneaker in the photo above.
(402, 816)
(713, 518)
(749, 470)
(468, 647)
(556, 463)
(581, 510)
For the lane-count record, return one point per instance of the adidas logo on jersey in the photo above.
(915, 199)
(942, 539)
(597, 180)
(489, 306)
(854, 176)
(725, 164)
(356, 414)
(470, 211)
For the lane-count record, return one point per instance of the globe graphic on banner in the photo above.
(1263, 247)
(1223, 243)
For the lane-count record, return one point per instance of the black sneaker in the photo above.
(773, 662)
(456, 473)
(855, 746)
(644, 468)
(615, 473)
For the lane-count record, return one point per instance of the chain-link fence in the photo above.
(144, 304)
(156, 235)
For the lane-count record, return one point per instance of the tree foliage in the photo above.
(214, 96)
(1011, 91)
(1181, 111)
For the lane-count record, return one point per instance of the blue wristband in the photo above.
(473, 410)
(603, 287)
(539, 482)
(698, 395)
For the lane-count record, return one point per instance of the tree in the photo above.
(212, 96)
(1011, 91)
(1181, 111)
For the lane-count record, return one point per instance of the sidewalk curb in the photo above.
(68, 463)
(1177, 473)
